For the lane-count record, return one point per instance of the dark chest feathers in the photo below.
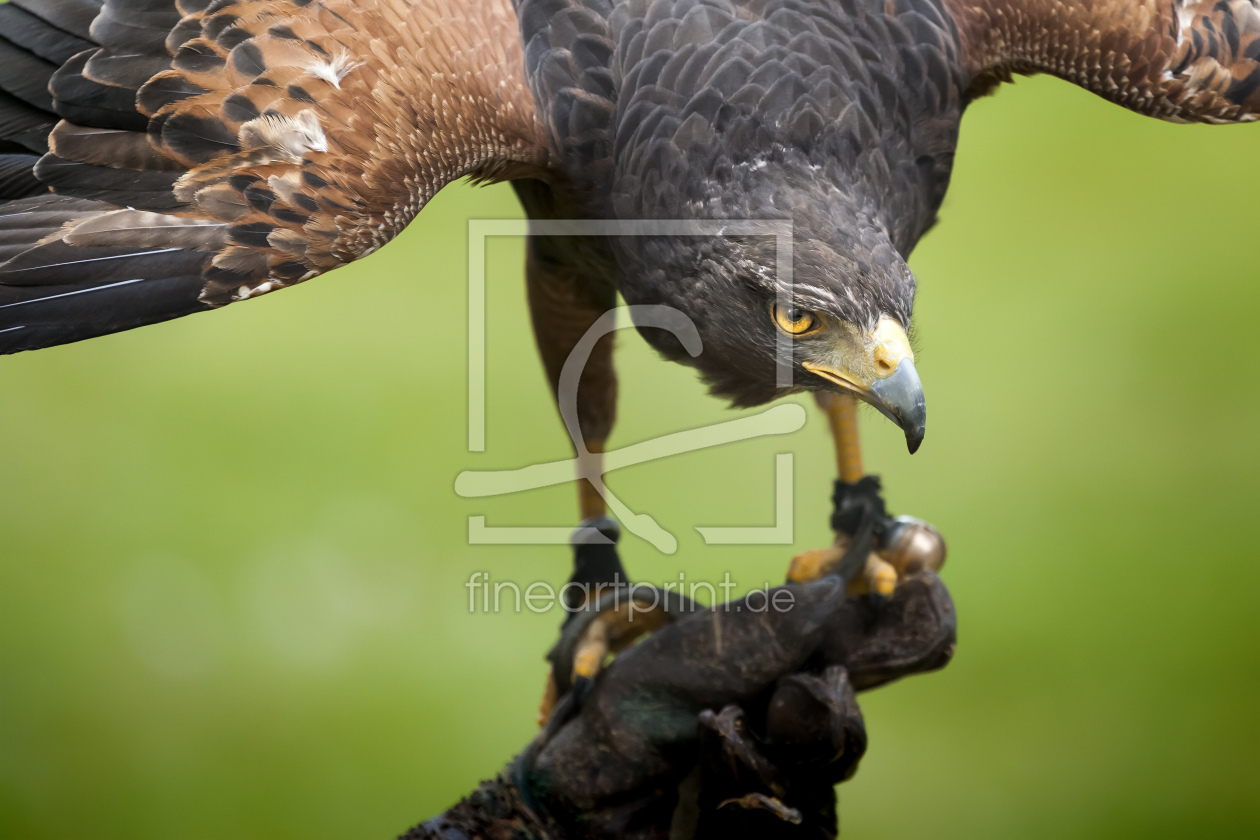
(677, 108)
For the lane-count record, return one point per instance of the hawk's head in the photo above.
(838, 319)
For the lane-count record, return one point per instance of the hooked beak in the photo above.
(892, 385)
(900, 398)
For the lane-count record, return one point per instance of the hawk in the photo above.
(165, 157)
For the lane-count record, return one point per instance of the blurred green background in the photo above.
(232, 563)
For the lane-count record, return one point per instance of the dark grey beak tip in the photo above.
(900, 399)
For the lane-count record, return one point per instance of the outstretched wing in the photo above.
(1179, 60)
(200, 152)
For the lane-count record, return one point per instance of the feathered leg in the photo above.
(564, 305)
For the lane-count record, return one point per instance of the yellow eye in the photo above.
(795, 321)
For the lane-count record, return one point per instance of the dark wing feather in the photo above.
(24, 126)
(118, 186)
(38, 37)
(50, 264)
(72, 16)
(17, 176)
(24, 222)
(54, 292)
(86, 101)
(26, 75)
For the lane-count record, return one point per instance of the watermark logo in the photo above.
(777, 420)
(486, 595)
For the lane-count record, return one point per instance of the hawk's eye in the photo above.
(795, 321)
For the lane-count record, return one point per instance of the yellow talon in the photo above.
(877, 577)
(813, 564)
(589, 660)
(591, 651)
(883, 577)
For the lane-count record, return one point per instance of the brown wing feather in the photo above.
(284, 138)
(325, 129)
(1179, 60)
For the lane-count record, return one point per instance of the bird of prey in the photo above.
(165, 157)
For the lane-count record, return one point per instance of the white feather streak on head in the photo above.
(334, 69)
(284, 137)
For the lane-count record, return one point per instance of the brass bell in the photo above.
(911, 545)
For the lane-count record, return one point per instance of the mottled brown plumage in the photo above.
(249, 145)
(201, 152)
(1180, 61)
